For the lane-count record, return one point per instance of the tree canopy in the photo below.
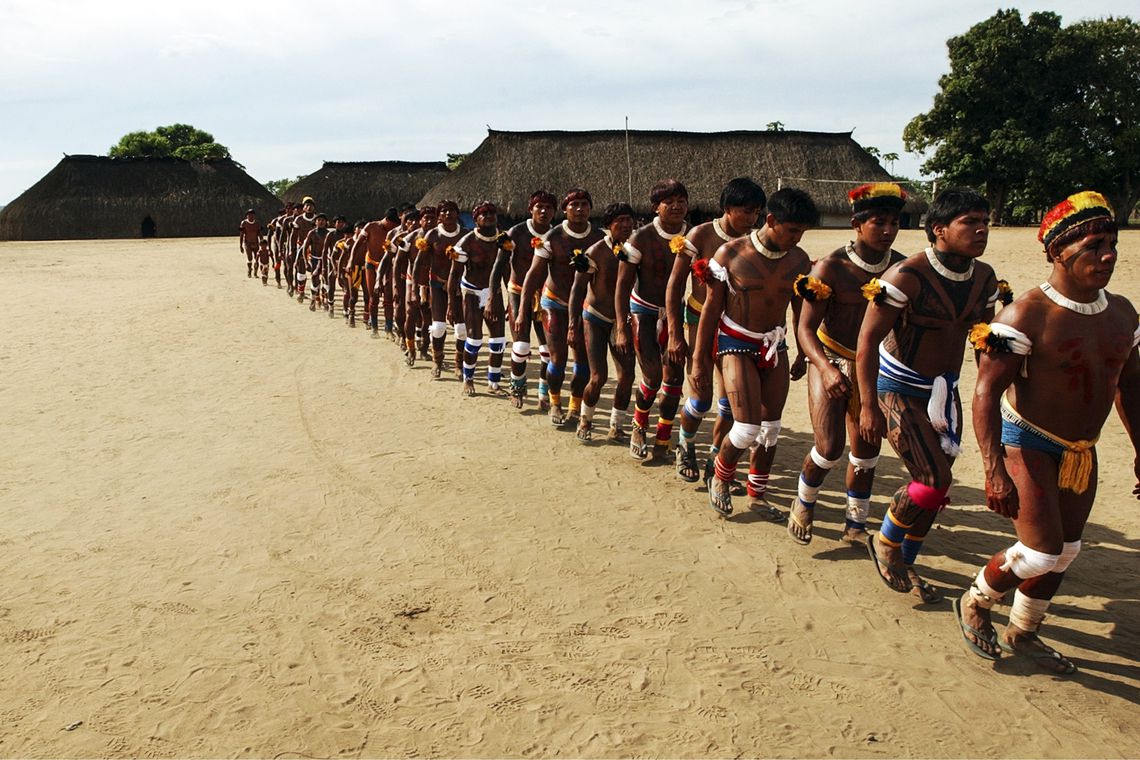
(1033, 111)
(176, 140)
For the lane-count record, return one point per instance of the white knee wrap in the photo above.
(460, 331)
(544, 353)
(495, 345)
(821, 462)
(742, 434)
(472, 345)
(1028, 563)
(520, 351)
(806, 493)
(769, 433)
(438, 329)
(869, 463)
(1069, 552)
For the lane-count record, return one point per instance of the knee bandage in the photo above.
(742, 434)
(520, 351)
(543, 353)
(723, 408)
(472, 345)
(460, 331)
(1069, 552)
(1028, 563)
(696, 408)
(822, 462)
(769, 433)
(496, 345)
(671, 390)
(438, 329)
(927, 498)
(863, 465)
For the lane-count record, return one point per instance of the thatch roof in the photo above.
(87, 197)
(508, 166)
(366, 189)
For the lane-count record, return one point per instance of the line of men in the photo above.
(881, 338)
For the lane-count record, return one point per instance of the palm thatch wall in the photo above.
(86, 197)
(366, 189)
(508, 166)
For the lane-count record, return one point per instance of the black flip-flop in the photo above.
(968, 631)
(879, 567)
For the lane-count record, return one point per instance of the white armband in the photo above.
(544, 251)
(1016, 341)
(632, 255)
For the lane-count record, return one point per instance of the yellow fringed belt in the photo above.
(846, 353)
(1076, 456)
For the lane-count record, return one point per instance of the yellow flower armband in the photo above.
(999, 338)
(811, 288)
(421, 244)
(677, 243)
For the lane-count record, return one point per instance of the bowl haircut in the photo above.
(950, 204)
(576, 194)
(615, 210)
(791, 205)
(742, 192)
(666, 188)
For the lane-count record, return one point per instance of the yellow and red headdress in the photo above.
(877, 195)
(1076, 209)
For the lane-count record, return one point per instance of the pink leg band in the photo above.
(930, 499)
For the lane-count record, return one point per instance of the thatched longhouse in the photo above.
(366, 189)
(87, 197)
(508, 166)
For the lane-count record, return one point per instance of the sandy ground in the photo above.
(235, 528)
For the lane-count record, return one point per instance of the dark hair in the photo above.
(432, 210)
(483, 207)
(448, 204)
(577, 194)
(613, 211)
(413, 214)
(360, 223)
(339, 218)
(666, 188)
(321, 215)
(793, 206)
(861, 216)
(405, 206)
(950, 204)
(392, 215)
(541, 196)
(1071, 235)
(741, 193)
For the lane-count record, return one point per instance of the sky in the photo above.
(288, 85)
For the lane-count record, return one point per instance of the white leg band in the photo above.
(587, 414)
(867, 464)
(520, 351)
(807, 494)
(858, 508)
(742, 434)
(769, 433)
(460, 331)
(496, 345)
(617, 417)
(1028, 563)
(438, 329)
(982, 593)
(1026, 612)
(544, 353)
(821, 462)
(1069, 552)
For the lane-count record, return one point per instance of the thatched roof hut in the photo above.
(508, 166)
(366, 189)
(87, 197)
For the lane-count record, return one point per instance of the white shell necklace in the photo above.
(773, 255)
(858, 261)
(492, 239)
(668, 235)
(1092, 307)
(533, 232)
(949, 274)
(445, 233)
(719, 230)
(576, 235)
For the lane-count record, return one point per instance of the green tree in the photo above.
(177, 140)
(279, 186)
(774, 126)
(455, 159)
(135, 144)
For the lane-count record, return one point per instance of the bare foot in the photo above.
(544, 403)
(517, 398)
(585, 431)
(888, 564)
(436, 371)
(557, 416)
(857, 537)
(686, 461)
(496, 390)
(720, 496)
(468, 387)
(760, 506)
(638, 448)
(800, 521)
(926, 593)
(616, 434)
(977, 628)
(1027, 644)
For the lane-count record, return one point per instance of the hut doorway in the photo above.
(149, 228)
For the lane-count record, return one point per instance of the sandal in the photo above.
(686, 458)
(798, 529)
(1042, 655)
(720, 497)
(989, 637)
